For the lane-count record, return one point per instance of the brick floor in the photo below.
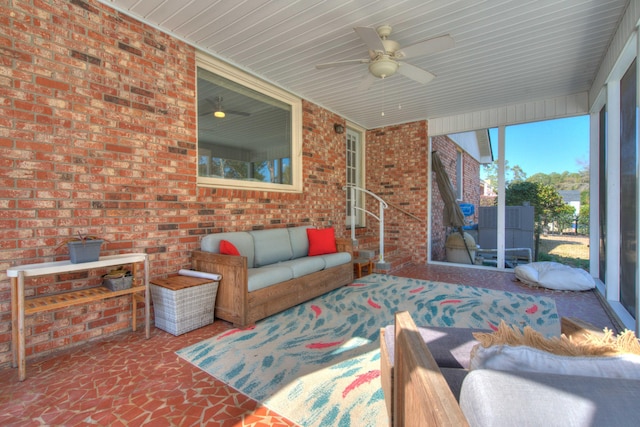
(127, 380)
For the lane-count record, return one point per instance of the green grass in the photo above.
(568, 250)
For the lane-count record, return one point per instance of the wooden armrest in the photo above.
(232, 295)
(422, 396)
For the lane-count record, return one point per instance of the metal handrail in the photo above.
(383, 205)
(409, 214)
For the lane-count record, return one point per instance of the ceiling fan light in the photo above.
(384, 67)
(219, 114)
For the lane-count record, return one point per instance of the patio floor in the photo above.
(127, 380)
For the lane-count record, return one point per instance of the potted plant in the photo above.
(84, 248)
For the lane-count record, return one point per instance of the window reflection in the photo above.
(243, 135)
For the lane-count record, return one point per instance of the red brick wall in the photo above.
(97, 132)
(447, 150)
(396, 165)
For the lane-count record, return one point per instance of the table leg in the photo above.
(147, 299)
(14, 322)
(134, 299)
(22, 365)
(134, 312)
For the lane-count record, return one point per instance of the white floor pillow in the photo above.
(553, 275)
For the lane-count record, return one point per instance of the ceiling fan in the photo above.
(386, 57)
(219, 112)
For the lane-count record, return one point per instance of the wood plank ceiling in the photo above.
(506, 51)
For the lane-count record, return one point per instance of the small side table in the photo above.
(182, 303)
(362, 263)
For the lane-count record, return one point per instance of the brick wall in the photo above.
(97, 132)
(447, 150)
(98, 135)
(396, 165)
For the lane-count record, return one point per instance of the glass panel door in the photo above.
(628, 190)
(354, 174)
(602, 183)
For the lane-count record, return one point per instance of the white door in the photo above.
(355, 171)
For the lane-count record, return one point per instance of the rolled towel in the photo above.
(201, 274)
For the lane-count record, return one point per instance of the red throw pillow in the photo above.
(228, 248)
(321, 241)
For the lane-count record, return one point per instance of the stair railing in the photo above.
(382, 206)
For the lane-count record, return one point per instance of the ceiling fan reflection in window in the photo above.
(219, 111)
(386, 57)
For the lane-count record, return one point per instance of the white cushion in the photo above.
(553, 275)
(529, 359)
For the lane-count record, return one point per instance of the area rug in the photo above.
(318, 363)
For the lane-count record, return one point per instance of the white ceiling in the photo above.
(506, 51)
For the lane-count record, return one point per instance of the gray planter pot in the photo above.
(84, 251)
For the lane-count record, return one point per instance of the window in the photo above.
(355, 175)
(249, 132)
(459, 189)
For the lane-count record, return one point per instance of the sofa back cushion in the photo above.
(299, 241)
(271, 246)
(242, 240)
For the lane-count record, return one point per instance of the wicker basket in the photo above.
(182, 304)
(117, 284)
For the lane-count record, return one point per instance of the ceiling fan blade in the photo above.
(367, 81)
(415, 73)
(371, 38)
(437, 44)
(341, 63)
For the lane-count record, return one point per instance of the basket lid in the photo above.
(176, 283)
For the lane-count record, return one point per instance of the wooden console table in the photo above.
(21, 306)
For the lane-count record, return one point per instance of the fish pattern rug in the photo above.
(318, 363)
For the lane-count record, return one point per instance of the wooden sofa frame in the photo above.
(416, 392)
(234, 302)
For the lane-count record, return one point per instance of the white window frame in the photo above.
(234, 74)
(360, 217)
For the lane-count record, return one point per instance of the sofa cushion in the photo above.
(303, 266)
(299, 241)
(240, 239)
(450, 347)
(496, 399)
(333, 260)
(604, 355)
(271, 246)
(228, 248)
(263, 277)
(321, 241)
(523, 358)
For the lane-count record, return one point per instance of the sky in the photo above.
(550, 146)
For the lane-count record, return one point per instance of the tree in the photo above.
(511, 174)
(565, 217)
(518, 174)
(546, 201)
(583, 219)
